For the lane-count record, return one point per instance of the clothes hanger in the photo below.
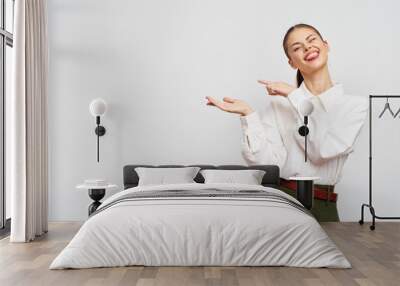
(398, 111)
(387, 107)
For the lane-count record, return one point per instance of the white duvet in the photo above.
(200, 231)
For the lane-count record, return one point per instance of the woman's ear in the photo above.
(327, 45)
(291, 64)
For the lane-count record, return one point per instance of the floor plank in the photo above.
(374, 255)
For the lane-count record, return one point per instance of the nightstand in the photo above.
(96, 193)
(305, 190)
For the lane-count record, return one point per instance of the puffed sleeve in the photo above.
(262, 142)
(334, 125)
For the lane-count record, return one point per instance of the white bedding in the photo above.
(200, 231)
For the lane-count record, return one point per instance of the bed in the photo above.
(201, 224)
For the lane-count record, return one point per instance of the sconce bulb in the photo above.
(98, 107)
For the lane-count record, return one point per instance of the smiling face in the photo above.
(306, 50)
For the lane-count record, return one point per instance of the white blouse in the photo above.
(271, 137)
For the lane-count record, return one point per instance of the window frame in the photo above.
(6, 39)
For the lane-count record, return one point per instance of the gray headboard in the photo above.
(270, 179)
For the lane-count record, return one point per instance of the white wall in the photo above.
(155, 61)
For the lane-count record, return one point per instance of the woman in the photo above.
(271, 136)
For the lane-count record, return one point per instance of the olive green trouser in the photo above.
(322, 210)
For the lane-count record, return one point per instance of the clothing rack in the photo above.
(369, 205)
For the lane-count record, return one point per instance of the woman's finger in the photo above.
(269, 90)
(214, 102)
(228, 99)
(211, 101)
(270, 86)
(264, 82)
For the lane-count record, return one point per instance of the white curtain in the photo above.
(27, 122)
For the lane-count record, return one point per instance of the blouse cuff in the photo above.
(250, 120)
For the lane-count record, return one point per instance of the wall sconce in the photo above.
(97, 108)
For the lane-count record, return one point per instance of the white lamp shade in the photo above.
(306, 107)
(98, 107)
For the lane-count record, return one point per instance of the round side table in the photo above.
(305, 190)
(96, 193)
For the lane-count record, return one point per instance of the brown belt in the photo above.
(321, 192)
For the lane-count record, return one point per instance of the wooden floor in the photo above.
(374, 255)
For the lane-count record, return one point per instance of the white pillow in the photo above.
(249, 177)
(163, 176)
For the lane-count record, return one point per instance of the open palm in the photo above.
(230, 105)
